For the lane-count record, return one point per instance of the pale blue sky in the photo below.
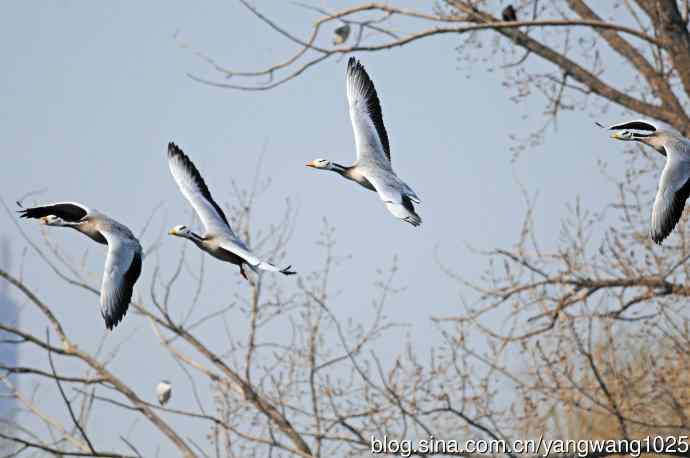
(93, 91)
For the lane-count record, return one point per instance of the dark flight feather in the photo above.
(66, 211)
(366, 86)
(113, 315)
(673, 215)
(175, 151)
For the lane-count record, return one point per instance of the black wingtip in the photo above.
(415, 222)
(355, 66)
(287, 271)
(111, 321)
(173, 149)
(28, 213)
(657, 239)
(23, 211)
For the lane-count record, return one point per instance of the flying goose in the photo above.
(372, 169)
(123, 262)
(674, 185)
(163, 392)
(218, 240)
(509, 14)
(341, 33)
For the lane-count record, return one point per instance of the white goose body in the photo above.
(674, 183)
(124, 258)
(218, 239)
(372, 169)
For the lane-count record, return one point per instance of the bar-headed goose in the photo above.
(372, 169)
(163, 392)
(509, 14)
(123, 262)
(218, 239)
(674, 185)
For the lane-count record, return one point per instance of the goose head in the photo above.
(180, 231)
(657, 140)
(324, 164)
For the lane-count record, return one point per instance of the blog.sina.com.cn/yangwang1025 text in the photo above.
(540, 447)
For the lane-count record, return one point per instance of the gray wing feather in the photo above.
(673, 191)
(371, 139)
(196, 192)
(122, 269)
(397, 196)
(239, 248)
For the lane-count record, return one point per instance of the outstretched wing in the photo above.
(68, 211)
(397, 197)
(122, 269)
(196, 192)
(371, 138)
(238, 248)
(634, 125)
(673, 191)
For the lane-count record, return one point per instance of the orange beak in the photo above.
(310, 164)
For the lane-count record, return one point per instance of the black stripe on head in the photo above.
(175, 152)
(639, 135)
(66, 211)
(636, 125)
(356, 70)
